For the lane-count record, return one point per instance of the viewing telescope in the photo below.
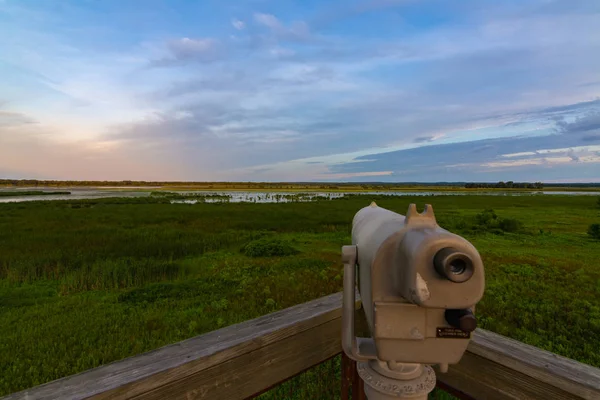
(419, 285)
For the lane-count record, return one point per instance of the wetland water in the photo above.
(251, 196)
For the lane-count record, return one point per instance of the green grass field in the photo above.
(84, 283)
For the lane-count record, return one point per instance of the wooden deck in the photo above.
(241, 360)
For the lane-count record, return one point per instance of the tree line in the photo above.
(506, 185)
(295, 185)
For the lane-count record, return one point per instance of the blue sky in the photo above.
(265, 90)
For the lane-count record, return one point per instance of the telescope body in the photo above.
(418, 283)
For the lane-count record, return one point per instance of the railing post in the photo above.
(351, 379)
(346, 376)
(358, 385)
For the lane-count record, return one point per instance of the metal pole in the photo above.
(392, 381)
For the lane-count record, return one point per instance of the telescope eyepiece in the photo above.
(453, 265)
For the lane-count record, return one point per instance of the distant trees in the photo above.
(36, 182)
(383, 186)
(505, 185)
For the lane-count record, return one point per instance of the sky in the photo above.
(306, 90)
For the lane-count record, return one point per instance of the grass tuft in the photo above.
(267, 247)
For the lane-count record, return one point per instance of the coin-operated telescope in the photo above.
(418, 285)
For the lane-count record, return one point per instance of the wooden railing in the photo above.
(242, 360)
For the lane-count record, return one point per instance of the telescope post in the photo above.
(418, 285)
(393, 381)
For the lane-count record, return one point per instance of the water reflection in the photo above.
(193, 197)
(255, 197)
(279, 197)
(76, 194)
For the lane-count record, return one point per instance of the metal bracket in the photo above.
(357, 349)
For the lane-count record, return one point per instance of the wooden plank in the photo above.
(569, 375)
(185, 360)
(484, 379)
(244, 359)
(291, 377)
(496, 367)
(249, 373)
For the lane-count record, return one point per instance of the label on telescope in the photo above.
(452, 333)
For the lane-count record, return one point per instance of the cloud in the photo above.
(268, 20)
(574, 157)
(582, 124)
(186, 47)
(217, 136)
(237, 24)
(184, 50)
(11, 119)
(424, 139)
(473, 160)
(591, 138)
(222, 128)
(252, 81)
(368, 174)
(360, 92)
(32, 151)
(224, 81)
(297, 30)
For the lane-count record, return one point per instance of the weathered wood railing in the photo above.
(239, 361)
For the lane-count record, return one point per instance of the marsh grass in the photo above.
(268, 247)
(84, 283)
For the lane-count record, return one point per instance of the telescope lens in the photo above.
(453, 265)
(458, 266)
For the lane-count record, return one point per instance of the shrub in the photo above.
(594, 231)
(488, 221)
(510, 224)
(454, 223)
(486, 217)
(267, 247)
